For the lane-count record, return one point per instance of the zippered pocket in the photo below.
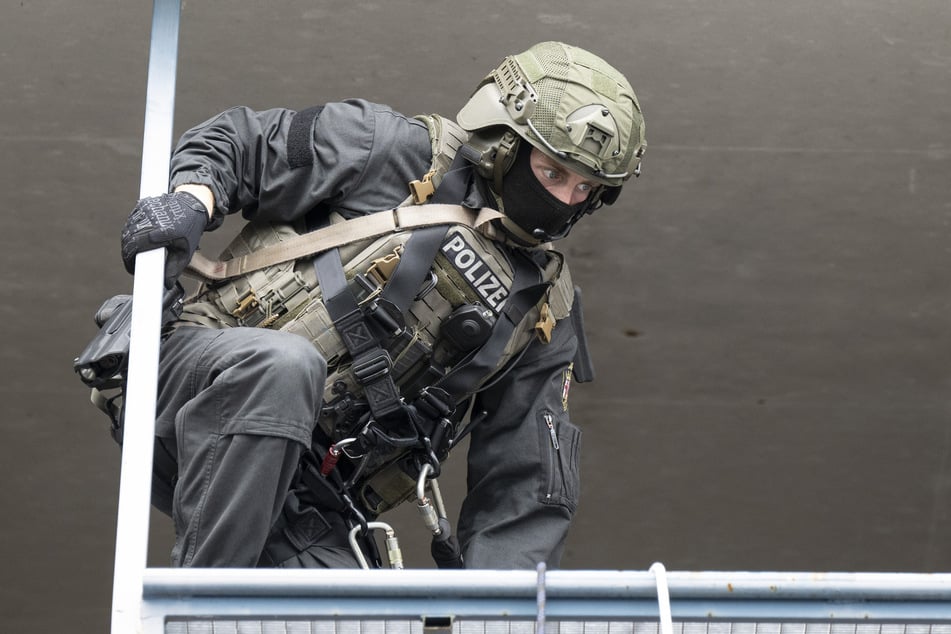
(560, 447)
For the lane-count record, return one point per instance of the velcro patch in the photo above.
(476, 271)
(300, 137)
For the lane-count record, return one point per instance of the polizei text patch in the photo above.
(473, 268)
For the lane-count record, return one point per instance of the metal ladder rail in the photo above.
(132, 530)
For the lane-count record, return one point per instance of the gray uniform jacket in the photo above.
(357, 157)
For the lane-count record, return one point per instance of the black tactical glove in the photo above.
(175, 221)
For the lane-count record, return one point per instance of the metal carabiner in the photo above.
(341, 447)
(428, 513)
(393, 553)
(333, 455)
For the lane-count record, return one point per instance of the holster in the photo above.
(103, 362)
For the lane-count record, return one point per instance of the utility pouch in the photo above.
(388, 487)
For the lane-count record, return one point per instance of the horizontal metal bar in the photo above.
(570, 595)
(559, 584)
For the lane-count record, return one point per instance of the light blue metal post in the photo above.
(132, 531)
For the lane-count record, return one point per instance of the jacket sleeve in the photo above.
(282, 164)
(524, 463)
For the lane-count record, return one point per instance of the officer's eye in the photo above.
(551, 173)
(584, 187)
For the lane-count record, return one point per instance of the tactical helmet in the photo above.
(567, 102)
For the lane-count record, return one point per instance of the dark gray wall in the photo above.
(768, 305)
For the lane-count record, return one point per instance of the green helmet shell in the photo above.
(568, 103)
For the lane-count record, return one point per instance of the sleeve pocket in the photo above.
(560, 445)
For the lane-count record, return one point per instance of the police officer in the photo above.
(549, 136)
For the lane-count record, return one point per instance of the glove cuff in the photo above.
(192, 201)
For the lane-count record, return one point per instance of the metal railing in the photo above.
(589, 602)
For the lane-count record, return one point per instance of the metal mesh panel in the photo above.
(551, 88)
(416, 626)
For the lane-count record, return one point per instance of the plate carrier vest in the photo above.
(423, 356)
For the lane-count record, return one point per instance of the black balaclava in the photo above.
(529, 205)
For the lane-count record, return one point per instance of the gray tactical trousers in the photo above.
(237, 407)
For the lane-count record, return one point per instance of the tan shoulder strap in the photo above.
(339, 234)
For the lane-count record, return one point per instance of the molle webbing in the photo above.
(340, 234)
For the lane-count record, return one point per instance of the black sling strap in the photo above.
(463, 379)
(372, 364)
(420, 251)
(413, 267)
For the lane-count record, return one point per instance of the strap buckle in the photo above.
(372, 369)
(246, 304)
(434, 403)
(371, 365)
(381, 269)
(424, 189)
(545, 324)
